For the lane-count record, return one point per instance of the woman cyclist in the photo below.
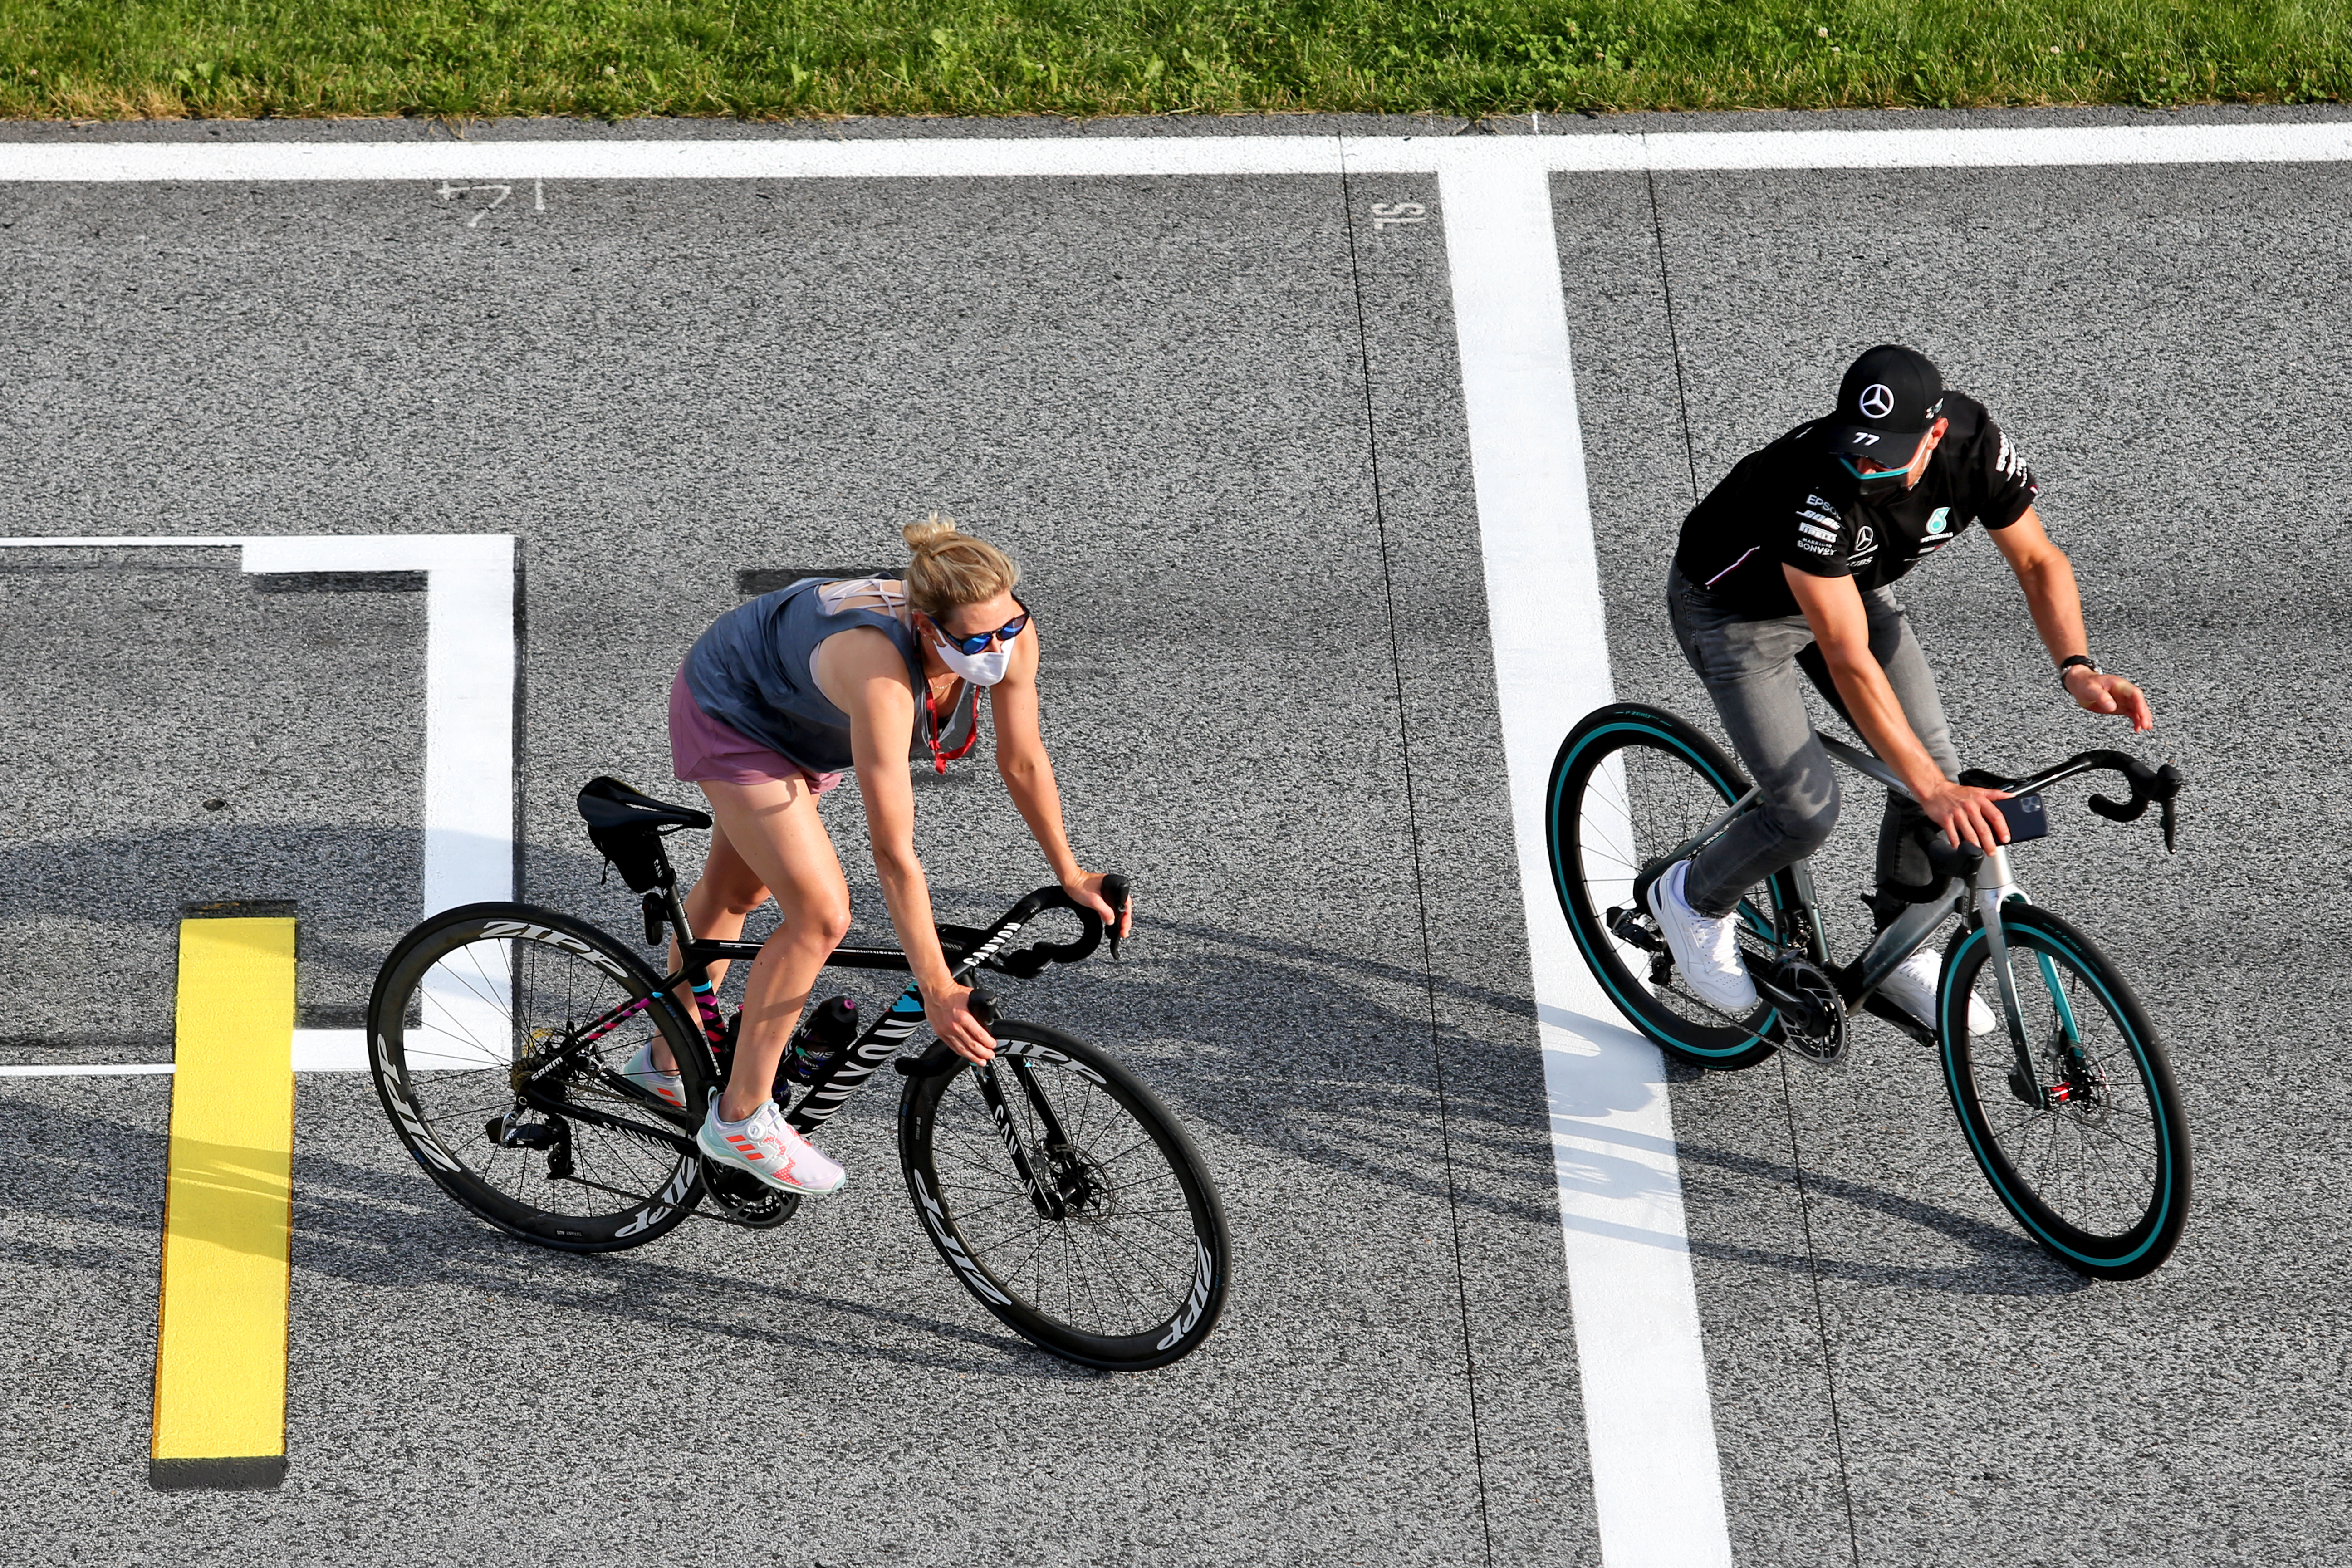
(782, 695)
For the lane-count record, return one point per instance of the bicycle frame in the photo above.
(1990, 885)
(969, 951)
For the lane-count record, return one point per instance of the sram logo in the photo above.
(523, 931)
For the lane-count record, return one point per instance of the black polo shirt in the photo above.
(1792, 504)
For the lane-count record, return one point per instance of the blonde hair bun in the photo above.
(948, 567)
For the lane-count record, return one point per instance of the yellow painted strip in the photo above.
(220, 1353)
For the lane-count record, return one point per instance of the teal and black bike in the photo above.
(2068, 1104)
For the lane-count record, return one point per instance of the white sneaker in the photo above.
(1912, 988)
(668, 1086)
(1705, 950)
(764, 1144)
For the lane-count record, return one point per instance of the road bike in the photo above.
(2068, 1104)
(1058, 1187)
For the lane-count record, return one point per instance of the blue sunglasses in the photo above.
(973, 645)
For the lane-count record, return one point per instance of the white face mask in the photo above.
(979, 669)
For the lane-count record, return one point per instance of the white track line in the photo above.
(315, 1050)
(1656, 1486)
(469, 692)
(469, 677)
(1099, 157)
(91, 1070)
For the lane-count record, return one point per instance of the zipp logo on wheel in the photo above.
(524, 932)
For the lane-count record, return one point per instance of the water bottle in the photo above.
(822, 1035)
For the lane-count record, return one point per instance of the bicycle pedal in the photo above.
(736, 1197)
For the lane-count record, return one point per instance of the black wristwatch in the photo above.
(2073, 659)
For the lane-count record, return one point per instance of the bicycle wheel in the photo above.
(497, 1033)
(1630, 785)
(1118, 1256)
(2091, 1150)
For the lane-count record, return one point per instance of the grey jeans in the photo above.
(1751, 669)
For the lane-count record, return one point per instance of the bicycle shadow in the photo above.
(1336, 1076)
(98, 1182)
(1501, 1113)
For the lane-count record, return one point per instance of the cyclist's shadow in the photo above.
(95, 1185)
(2004, 1262)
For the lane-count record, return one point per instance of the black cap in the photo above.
(1889, 399)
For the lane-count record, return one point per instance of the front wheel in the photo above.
(2085, 1144)
(1066, 1199)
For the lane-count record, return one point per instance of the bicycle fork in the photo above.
(1994, 887)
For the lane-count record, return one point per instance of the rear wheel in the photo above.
(1630, 785)
(1066, 1199)
(497, 1033)
(2088, 1148)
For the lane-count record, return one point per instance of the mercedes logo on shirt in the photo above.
(1877, 401)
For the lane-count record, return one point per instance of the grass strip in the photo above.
(764, 59)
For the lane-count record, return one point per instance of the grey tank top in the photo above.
(751, 672)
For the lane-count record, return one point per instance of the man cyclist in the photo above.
(1787, 564)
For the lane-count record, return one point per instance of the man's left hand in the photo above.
(2095, 691)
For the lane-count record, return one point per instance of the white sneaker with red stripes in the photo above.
(667, 1086)
(766, 1146)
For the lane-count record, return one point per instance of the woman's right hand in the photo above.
(948, 1007)
(1967, 814)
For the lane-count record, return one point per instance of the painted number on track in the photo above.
(488, 199)
(1391, 215)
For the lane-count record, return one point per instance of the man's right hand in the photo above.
(1967, 814)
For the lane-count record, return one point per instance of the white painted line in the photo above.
(1120, 156)
(1657, 1482)
(315, 1050)
(92, 1069)
(469, 674)
(331, 1050)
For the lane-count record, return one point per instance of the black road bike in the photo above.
(2068, 1105)
(1058, 1187)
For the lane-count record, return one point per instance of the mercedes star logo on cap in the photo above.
(1877, 401)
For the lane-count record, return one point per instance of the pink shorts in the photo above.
(704, 751)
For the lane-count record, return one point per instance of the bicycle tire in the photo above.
(2118, 1130)
(1686, 781)
(1177, 1260)
(453, 1009)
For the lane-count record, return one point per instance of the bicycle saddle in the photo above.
(606, 802)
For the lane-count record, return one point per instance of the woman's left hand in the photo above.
(1087, 888)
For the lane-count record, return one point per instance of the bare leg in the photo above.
(775, 840)
(716, 908)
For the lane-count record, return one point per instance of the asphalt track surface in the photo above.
(1220, 420)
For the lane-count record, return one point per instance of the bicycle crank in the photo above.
(738, 1197)
(1812, 1014)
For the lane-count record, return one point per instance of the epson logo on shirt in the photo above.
(1826, 506)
